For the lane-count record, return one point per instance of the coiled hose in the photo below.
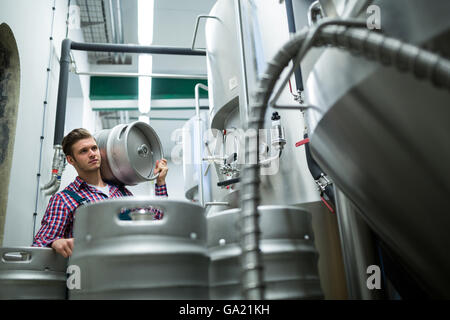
(372, 45)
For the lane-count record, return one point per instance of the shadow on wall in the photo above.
(9, 100)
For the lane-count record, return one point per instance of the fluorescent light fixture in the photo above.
(145, 37)
(145, 21)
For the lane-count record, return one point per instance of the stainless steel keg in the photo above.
(32, 273)
(140, 259)
(129, 153)
(288, 251)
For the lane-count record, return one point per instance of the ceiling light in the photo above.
(145, 37)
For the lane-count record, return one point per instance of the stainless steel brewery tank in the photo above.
(287, 244)
(381, 136)
(191, 160)
(222, 60)
(144, 259)
(32, 273)
(129, 153)
(265, 30)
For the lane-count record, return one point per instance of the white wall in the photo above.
(31, 24)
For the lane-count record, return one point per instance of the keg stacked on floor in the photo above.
(287, 245)
(32, 273)
(140, 259)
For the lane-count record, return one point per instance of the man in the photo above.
(82, 152)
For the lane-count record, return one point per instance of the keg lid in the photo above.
(144, 148)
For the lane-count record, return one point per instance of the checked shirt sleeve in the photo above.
(53, 224)
(161, 191)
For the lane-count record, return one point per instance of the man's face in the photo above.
(86, 155)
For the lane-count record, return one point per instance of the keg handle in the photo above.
(16, 256)
(154, 177)
(142, 213)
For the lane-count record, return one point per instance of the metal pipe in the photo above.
(292, 31)
(55, 166)
(113, 22)
(199, 86)
(152, 75)
(64, 64)
(119, 28)
(135, 48)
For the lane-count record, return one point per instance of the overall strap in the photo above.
(122, 190)
(76, 197)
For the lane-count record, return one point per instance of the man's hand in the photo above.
(63, 246)
(161, 167)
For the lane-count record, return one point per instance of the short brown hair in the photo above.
(72, 137)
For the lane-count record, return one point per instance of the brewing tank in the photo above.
(191, 158)
(380, 135)
(32, 273)
(222, 61)
(141, 259)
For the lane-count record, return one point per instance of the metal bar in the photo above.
(217, 204)
(152, 75)
(153, 109)
(135, 48)
(196, 28)
(199, 86)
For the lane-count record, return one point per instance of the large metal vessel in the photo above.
(129, 153)
(381, 136)
(260, 29)
(192, 161)
(32, 273)
(222, 63)
(144, 259)
(287, 245)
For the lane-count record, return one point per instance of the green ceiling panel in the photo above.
(113, 88)
(127, 88)
(176, 88)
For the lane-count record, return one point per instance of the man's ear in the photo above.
(70, 159)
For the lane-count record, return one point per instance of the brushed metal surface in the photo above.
(381, 137)
(289, 254)
(153, 259)
(222, 48)
(32, 273)
(129, 153)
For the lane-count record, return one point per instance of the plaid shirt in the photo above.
(58, 219)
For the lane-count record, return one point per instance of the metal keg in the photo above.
(32, 273)
(129, 153)
(288, 251)
(140, 259)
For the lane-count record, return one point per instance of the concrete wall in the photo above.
(31, 23)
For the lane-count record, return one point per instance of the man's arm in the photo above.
(53, 224)
(160, 186)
